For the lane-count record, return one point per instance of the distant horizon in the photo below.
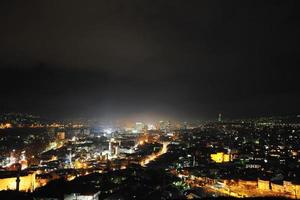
(154, 119)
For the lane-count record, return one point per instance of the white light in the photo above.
(134, 131)
(108, 131)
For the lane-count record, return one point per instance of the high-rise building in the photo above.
(60, 135)
(151, 127)
(220, 117)
(162, 125)
(168, 126)
(139, 127)
(185, 126)
(110, 146)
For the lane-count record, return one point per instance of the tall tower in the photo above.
(110, 147)
(70, 157)
(168, 126)
(220, 117)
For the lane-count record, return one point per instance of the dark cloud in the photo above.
(185, 59)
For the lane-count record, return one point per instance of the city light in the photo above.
(149, 100)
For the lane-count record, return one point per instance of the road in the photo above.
(154, 156)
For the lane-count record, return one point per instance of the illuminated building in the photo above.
(23, 161)
(108, 132)
(263, 185)
(117, 150)
(110, 146)
(220, 118)
(27, 182)
(167, 127)
(85, 131)
(139, 127)
(113, 148)
(82, 196)
(12, 158)
(247, 184)
(69, 157)
(162, 125)
(151, 127)
(220, 157)
(277, 188)
(60, 135)
(4, 126)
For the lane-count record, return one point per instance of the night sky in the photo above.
(178, 59)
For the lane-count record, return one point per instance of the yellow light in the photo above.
(220, 157)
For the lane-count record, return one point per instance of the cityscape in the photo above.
(149, 99)
(164, 160)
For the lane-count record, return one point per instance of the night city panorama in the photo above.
(149, 99)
